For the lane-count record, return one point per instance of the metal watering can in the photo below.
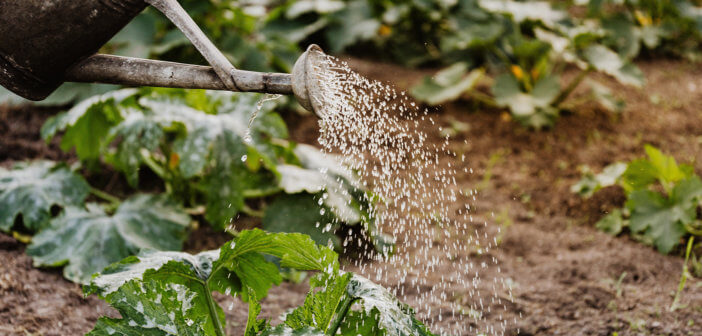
(44, 43)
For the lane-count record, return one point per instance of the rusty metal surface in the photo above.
(41, 39)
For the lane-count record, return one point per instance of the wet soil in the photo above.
(567, 278)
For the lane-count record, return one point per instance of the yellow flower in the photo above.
(173, 160)
(517, 71)
(643, 19)
(384, 30)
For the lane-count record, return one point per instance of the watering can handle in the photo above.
(129, 71)
(143, 72)
(42, 46)
(175, 12)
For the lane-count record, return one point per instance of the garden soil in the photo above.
(567, 278)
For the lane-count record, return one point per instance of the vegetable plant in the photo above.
(168, 293)
(212, 159)
(662, 204)
(532, 47)
(652, 26)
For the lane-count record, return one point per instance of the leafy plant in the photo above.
(534, 45)
(658, 26)
(216, 154)
(29, 191)
(662, 199)
(196, 142)
(590, 183)
(87, 239)
(171, 293)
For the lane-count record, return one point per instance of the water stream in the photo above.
(442, 252)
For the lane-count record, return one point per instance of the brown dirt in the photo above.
(564, 272)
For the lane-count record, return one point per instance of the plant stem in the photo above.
(571, 87)
(105, 196)
(482, 98)
(251, 212)
(683, 276)
(335, 323)
(219, 329)
(153, 165)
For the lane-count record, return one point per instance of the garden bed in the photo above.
(565, 274)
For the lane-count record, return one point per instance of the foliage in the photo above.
(535, 44)
(656, 26)
(217, 154)
(171, 293)
(29, 191)
(662, 199)
(196, 142)
(87, 239)
(447, 85)
(591, 182)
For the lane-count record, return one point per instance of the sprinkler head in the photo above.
(307, 79)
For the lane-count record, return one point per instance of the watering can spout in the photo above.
(45, 43)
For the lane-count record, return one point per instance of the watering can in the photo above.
(44, 43)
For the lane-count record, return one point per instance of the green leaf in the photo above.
(605, 60)
(395, 317)
(242, 258)
(156, 308)
(301, 213)
(532, 109)
(604, 96)
(664, 219)
(135, 132)
(612, 224)
(331, 306)
(591, 183)
(320, 308)
(353, 23)
(88, 240)
(160, 293)
(361, 323)
(523, 11)
(447, 85)
(31, 189)
(642, 173)
(254, 326)
(87, 124)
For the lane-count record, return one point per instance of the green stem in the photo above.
(219, 328)
(105, 196)
(251, 212)
(571, 87)
(158, 170)
(683, 276)
(335, 323)
(153, 165)
(259, 193)
(483, 98)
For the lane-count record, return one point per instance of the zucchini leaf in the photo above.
(663, 219)
(88, 239)
(30, 190)
(161, 293)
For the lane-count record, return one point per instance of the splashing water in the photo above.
(441, 251)
(267, 97)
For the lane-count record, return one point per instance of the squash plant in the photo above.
(534, 46)
(653, 26)
(212, 158)
(170, 293)
(662, 204)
